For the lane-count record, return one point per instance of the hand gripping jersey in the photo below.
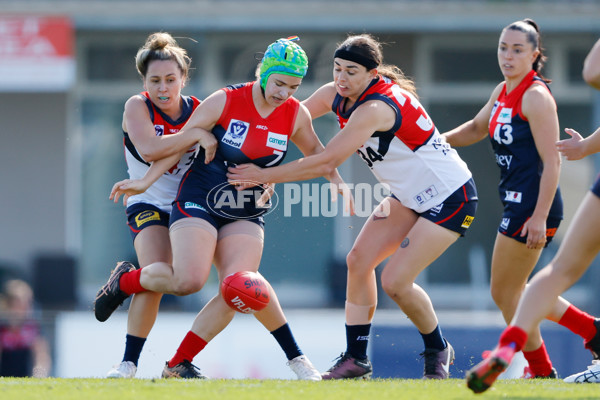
(421, 169)
(516, 155)
(244, 137)
(163, 191)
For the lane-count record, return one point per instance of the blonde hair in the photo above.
(162, 46)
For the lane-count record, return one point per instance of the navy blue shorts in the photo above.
(457, 212)
(512, 227)
(142, 215)
(596, 186)
(186, 209)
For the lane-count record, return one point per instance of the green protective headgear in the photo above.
(283, 57)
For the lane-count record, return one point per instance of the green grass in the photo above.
(225, 389)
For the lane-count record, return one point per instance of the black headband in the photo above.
(346, 54)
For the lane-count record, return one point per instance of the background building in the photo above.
(62, 96)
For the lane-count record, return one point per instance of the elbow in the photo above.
(591, 74)
(150, 155)
(553, 164)
(592, 78)
(147, 156)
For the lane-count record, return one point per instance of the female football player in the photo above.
(149, 121)
(433, 199)
(574, 256)
(253, 122)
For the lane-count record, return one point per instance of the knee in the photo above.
(357, 262)
(504, 298)
(352, 258)
(187, 286)
(392, 287)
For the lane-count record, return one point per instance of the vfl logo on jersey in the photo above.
(426, 195)
(146, 216)
(159, 129)
(277, 141)
(505, 116)
(504, 223)
(513, 197)
(467, 221)
(236, 133)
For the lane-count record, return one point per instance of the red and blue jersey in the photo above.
(516, 154)
(244, 136)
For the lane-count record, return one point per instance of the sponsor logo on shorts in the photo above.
(236, 133)
(513, 197)
(159, 130)
(550, 232)
(505, 116)
(504, 223)
(146, 216)
(189, 204)
(467, 221)
(426, 195)
(277, 141)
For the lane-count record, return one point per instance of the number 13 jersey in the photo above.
(516, 153)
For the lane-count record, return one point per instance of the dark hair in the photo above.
(532, 33)
(162, 46)
(367, 51)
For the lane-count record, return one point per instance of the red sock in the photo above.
(513, 334)
(539, 361)
(579, 322)
(191, 345)
(130, 282)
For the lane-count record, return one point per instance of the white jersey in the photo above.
(162, 192)
(421, 169)
(420, 179)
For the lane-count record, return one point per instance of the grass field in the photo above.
(220, 389)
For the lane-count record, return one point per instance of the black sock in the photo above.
(286, 340)
(434, 340)
(357, 339)
(133, 348)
